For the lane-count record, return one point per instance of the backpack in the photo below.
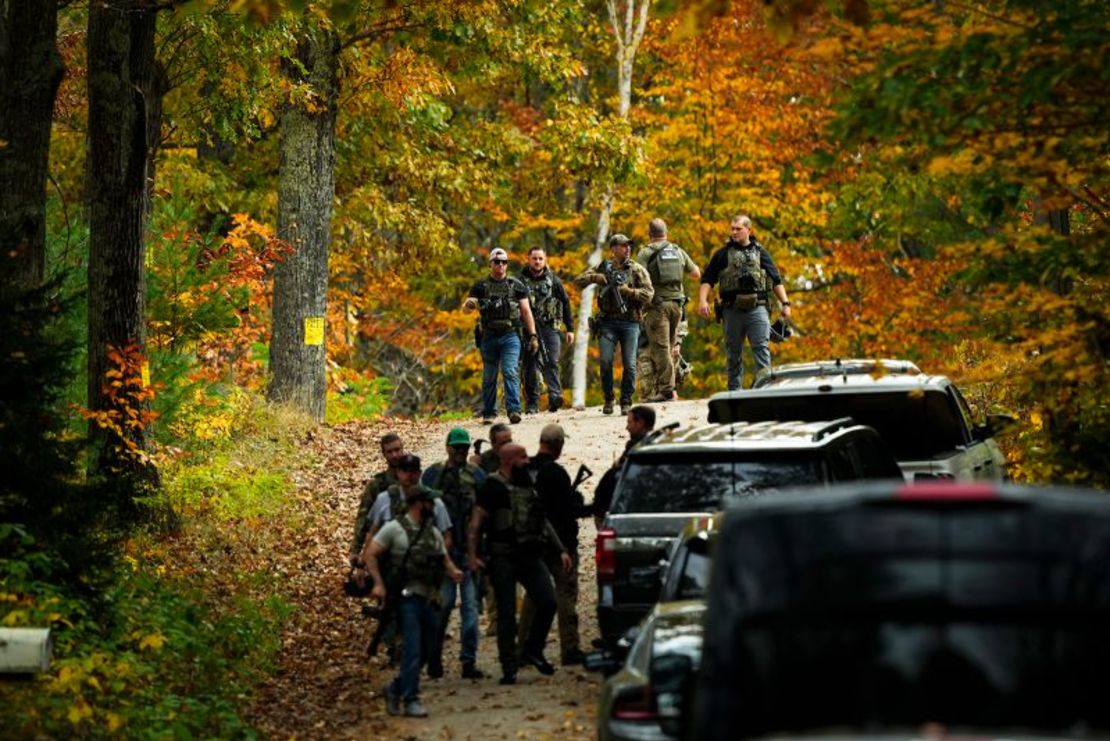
(499, 309)
(424, 559)
(524, 516)
(665, 265)
(744, 283)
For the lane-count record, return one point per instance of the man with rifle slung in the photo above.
(550, 307)
(419, 560)
(564, 505)
(626, 291)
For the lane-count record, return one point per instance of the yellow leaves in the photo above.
(826, 48)
(153, 641)
(963, 162)
(114, 722)
(14, 618)
(79, 712)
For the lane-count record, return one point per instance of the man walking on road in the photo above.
(458, 482)
(626, 289)
(392, 450)
(517, 535)
(564, 506)
(745, 274)
(550, 306)
(667, 264)
(502, 303)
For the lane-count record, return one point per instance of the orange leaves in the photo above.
(126, 394)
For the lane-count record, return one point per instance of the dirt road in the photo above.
(561, 706)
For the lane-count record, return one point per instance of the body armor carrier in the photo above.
(458, 486)
(743, 283)
(541, 296)
(425, 559)
(500, 311)
(524, 517)
(606, 300)
(665, 266)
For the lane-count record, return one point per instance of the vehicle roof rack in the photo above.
(833, 426)
(656, 433)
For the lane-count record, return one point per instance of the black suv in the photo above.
(877, 608)
(676, 474)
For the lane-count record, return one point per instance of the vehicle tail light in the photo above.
(605, 554)
(637, 706)
(946, 491)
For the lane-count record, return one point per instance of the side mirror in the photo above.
(628, 638)
(604, 662)
(670, 681)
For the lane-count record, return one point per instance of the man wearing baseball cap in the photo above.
(503, 310)
(458, 482)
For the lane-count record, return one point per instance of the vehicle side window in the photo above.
(963, 412)
(842, 465)
(695, 574)
(875, 460)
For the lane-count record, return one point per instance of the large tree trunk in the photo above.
(121, 85)
(30, 71)
(305, 198)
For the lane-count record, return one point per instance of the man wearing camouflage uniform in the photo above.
(745, 275)
(667, 264)
(392, 450)
(550, 306)
(631, 282)
(458, 482)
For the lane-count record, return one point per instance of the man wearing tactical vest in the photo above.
(667, 264)
(392, 502)
(517, 534)
(458, 482)
(419, 556)
(502, 303)
(392, 450)
(626, 290)
(550, 306)
(744, 274)
(489, 461)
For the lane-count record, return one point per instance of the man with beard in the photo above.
(392, 450)
(518, 532)
(641, 421)
(419, 556)
(550, 307)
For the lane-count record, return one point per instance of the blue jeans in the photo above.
(468, 617)
(419, 618)
(500, 351)
(755, 325)
(609, 333)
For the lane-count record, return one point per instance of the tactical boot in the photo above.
(626, 404)
(507, 679)
(469, 671)
(392, 701)
(532, 409)
(554, 403)
(435, 669)
(608, 408)
(574, 657)
(514, 418)
(543, 666)
(413, 709)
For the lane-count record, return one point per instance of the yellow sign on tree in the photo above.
(314, 330)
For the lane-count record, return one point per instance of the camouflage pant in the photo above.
(645, 364)
(661, 327)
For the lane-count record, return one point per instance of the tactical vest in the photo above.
(606, 300)
(524, 518)
(499, 309)
(458, 487)
(744, 283)
(425, 559)
(665, 266)
(397, 504)
(541, 297)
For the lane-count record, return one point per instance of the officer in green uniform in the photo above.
(517, 534)
(745, 275)
(458, 482)
(392, 450)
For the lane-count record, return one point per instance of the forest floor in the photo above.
(325, 687)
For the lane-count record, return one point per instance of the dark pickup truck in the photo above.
(677, 474)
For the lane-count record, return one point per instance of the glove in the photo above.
(533, 344)
(626, 291)
(600, 279)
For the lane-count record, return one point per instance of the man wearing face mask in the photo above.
(418, 561)
(517, 534)
(458, 482)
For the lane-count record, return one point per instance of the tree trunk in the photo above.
(305, 197)
(30, 71)
(121, 88)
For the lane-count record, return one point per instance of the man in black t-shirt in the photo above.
(502, 304)
(641, 421)
(517, 532)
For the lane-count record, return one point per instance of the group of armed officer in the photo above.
(504, 516)
(641, 308)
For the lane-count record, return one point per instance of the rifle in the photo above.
(394, 591)
(613, 282)
(584, 473)
(542, 355)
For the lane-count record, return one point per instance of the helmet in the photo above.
(781, 330)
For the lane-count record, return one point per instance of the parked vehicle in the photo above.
(924, 419)
(877, 608)
(680, 473)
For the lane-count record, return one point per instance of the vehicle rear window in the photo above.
(694, 581)
(685, 483)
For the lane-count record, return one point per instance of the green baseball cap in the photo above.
(458, 436)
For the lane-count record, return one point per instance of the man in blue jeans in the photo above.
(503, 309)
(458, 482)
(625, 291)
(418, 563)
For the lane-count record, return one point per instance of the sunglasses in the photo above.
(499, 262)
(460, 448)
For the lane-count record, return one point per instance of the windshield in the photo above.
(684, 483)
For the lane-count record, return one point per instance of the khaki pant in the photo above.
(566, 606)
(660, 323)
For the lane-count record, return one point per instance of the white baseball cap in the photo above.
(498, 254)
